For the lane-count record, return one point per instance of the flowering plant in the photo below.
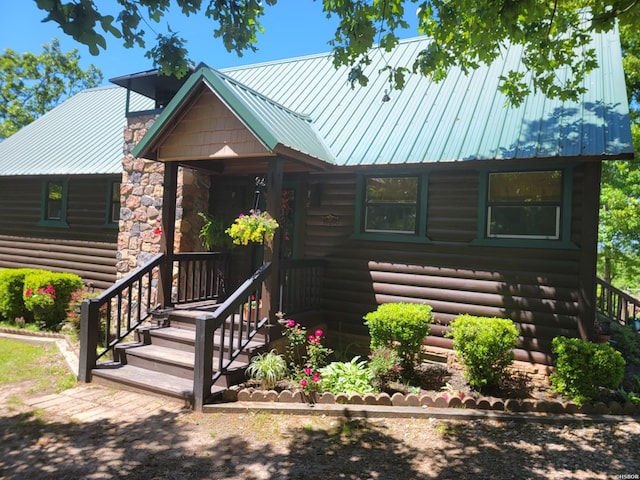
(304, 351)
(255, 227)
(42, 297)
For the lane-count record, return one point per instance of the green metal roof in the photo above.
(461, 118)
(273, 124)
(81, 136)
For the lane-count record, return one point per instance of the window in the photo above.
(526, 205)
(54, 203)
(391, 204)
(113, 213)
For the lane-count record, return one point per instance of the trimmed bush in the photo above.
(47, 295)
(11, 291)
(402, 327)
(484, 346)
(582, 368)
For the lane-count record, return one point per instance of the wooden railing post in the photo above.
(203, 366)
(89, 332)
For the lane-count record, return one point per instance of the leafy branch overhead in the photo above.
(465, 33)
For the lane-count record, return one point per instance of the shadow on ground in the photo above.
(265, 446)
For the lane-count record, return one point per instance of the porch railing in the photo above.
(300, 285)
(615, 304)
(223, 334)
(110, 318)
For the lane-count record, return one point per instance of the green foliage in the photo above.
(212, 234)
(385, 366)
(346, 377)
(73, 315)
(402, 327)
(32, 84)
(268, 368)
(304, 351)
(465, 33)
(627, 342)
(11, 290)
(484, 346)
(50, 312)
(582, 368)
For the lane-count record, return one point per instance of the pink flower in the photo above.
(316, 377)
(157, 231)
(28, 292)
(291, 323)
(303, 382)
(319, 333)
(50, 289)
(312, 338)
(307, 370)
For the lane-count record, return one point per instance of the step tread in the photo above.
(188, 336)
(174, 356)
(146, 379)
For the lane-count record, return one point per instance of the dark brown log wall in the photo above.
(87, 247)
(540, 289)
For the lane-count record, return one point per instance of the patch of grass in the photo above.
(32, 327)
(40, 365)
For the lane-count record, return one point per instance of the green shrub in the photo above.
(268, 368)
(11, 290)
(402, 327)
(582, 368)
(47, 295)
(627, 342)
(346, 377)
(385, 366)
(484, 346)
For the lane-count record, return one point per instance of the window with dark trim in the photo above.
(54, 203)
(113, 214)
(524, 205)
(391, 204)
(392, 207)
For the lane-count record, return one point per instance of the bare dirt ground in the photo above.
(91, 432)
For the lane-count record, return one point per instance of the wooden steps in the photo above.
(161, 360)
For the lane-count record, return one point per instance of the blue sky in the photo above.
(292, 28)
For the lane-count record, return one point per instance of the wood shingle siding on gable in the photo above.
(86, 247)
(209, 130)
(450, 274)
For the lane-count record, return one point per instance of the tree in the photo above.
(31, 85)
(619, 223)
(465, 33)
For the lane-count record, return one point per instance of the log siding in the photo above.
(541, 289)
(86, 247)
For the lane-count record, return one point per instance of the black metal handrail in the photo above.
(301, 285)
(615, 304)
(110, 318)
(116, 313)
(223, 334)
(201, 276)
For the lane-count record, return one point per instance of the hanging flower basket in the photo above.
(256, 227)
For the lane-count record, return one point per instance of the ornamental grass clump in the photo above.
(401, 327)
(256, 228)
(268, 368)
(484, 346)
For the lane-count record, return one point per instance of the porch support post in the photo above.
(169, 196)
(272, 249)
(589, 249)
